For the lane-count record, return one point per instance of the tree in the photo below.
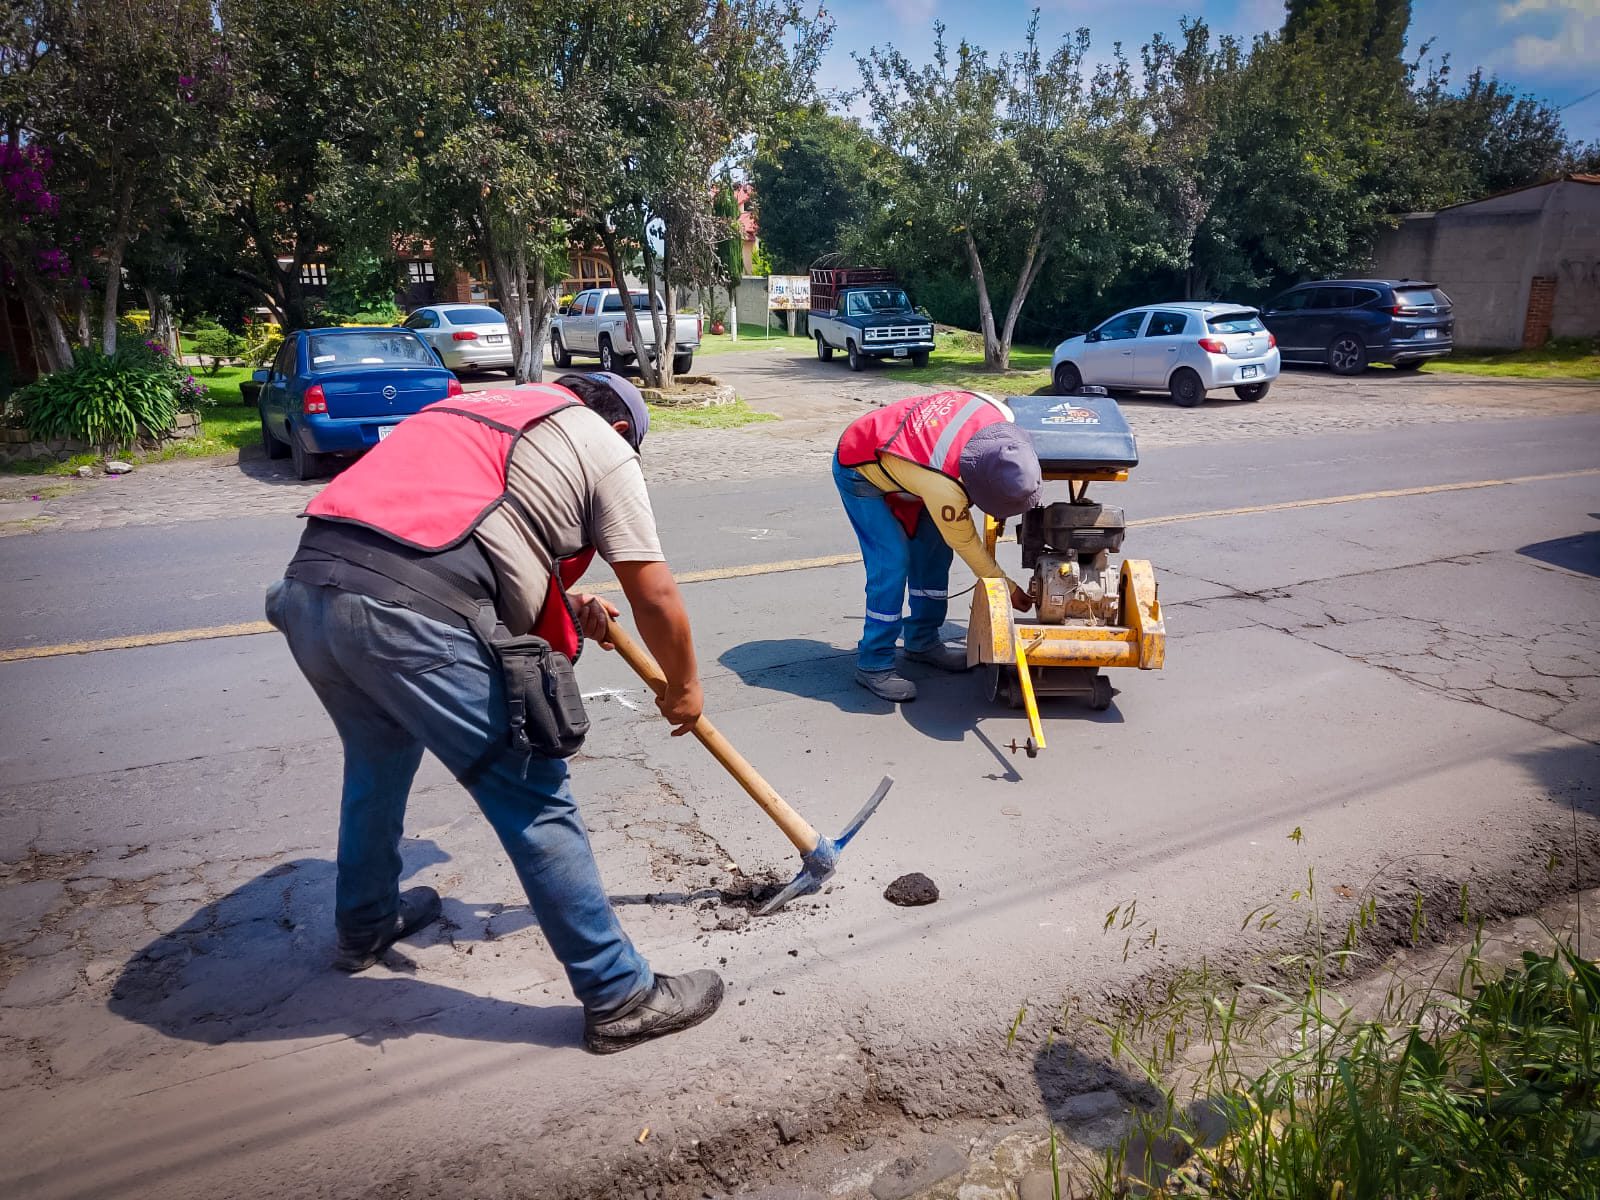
(1016, 162)
(815, 177)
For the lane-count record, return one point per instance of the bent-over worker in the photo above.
(490, 504)
(908, 474)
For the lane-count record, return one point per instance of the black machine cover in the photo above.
(1085, 431)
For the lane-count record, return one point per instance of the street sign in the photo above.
(788, 293)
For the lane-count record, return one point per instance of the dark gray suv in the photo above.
(1349, 323)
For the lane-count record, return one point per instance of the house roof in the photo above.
(1570, 177)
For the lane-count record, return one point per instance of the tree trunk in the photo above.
(667, 350)
(162, 331)
(522, 347)
(502, 272)
(991, 343)
(55, 352)
(114, 252)
(1032, 264)
(85, 332)
(608, 239)
(660, 373)
(544, 303)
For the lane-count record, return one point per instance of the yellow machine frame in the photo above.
(997, 636)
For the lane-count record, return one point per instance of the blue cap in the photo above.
(1000, 470)
(623, 389)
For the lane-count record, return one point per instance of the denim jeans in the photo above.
(396, 683)
(893, 561)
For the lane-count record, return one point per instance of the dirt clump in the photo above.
(911, 890)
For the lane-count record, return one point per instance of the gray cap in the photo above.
(622, 389)
(1000, 470)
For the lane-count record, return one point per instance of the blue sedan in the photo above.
(338, 392)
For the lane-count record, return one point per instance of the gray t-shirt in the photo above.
(582, 485)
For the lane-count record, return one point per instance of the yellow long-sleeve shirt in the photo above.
(947, 504)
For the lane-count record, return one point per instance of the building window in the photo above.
(419, 272)
(314, 275)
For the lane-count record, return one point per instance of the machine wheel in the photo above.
(1100, 699)
(681, 363)
(1410, 364)
(271, 445)
(1068, 379)
(1252, 391)
(824, 351)
(854, 356)
(919, 359)
(1347, 355)
(1186, 388)
(307, 465)
(1001, 685)
(558, 351)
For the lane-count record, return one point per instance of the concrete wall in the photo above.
(1487, 255)
(751, 295)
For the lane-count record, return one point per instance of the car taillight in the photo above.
(1403, 310)
(453, 388)
(1272, 341)
(314, 401)
(464, 335)
(1213, 345)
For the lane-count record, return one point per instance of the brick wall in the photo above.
(1541, 307)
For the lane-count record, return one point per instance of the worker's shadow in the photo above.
(255, 966)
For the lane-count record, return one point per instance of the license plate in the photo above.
(494, 339)
(1248, 372)
(1430, 333)
(384, 431)
(899, 351)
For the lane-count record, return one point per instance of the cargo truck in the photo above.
(864, 313)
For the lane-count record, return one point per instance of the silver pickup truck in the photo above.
(594, 324)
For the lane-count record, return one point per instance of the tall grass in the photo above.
(1473, 1081)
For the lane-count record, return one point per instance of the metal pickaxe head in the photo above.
(820, 864)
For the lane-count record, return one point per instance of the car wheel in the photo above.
(306, 464)
(1252, 391)
(1186, 388)
(681, 363)
(1347, 355)
(269, 444)
(608, 356)
(1068, 379)
(558, 351)
(824, 351)
(919, 359)
(1410, 364)
(854, 356)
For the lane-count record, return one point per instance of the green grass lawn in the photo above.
(958, 363)
(718, 416)
(752, 337)
(1564, 358)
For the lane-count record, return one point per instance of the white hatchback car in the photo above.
(1186, 348)
(466, 337)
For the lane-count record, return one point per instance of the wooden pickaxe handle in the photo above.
(795, 827)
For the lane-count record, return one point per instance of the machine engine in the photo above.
(1069, 545)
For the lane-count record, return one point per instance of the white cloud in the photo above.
(1561, 37)
(912, 12)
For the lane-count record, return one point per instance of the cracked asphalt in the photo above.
(1411, 682)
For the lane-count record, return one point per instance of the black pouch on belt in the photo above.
(542, 698)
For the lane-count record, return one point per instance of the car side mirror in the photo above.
(1092, 336)
(261, 376)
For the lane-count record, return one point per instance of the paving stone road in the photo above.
(815, 401)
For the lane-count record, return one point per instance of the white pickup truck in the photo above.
(594, 324)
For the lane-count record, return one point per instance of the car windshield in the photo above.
(640, 300)
(478, 314)
(1235, 322)
(877, 300)
(1420, 297)
(368, 348)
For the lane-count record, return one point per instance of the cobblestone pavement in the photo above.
(814, 401)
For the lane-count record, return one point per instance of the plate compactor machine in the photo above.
(1088, 613)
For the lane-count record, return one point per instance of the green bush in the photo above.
(107, 400)
(262, 343)
(216, 345)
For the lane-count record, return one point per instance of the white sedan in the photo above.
(466, 337)
(1186, 348)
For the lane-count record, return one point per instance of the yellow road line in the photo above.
(249, 628)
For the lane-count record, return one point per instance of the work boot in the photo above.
(676, 1002)
(419, 907)
(946, 658)
(887, 685)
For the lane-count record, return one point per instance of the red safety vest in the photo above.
(930, 431)
(436, 478)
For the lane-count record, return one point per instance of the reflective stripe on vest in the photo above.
(435, 479)
(930, 431)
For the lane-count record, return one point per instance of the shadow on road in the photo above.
(254, 966)
(1580, 552)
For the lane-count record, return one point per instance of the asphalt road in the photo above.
(1411, 682)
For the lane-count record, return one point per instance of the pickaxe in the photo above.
(819, 856)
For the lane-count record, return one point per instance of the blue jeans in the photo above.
(893, 562)
(396, 683)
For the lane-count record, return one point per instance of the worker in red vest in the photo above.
(907, 474)
(484, 509)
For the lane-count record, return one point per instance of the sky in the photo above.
(1549, 48)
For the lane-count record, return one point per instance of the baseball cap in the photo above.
(1000, 470)
(623, 389)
